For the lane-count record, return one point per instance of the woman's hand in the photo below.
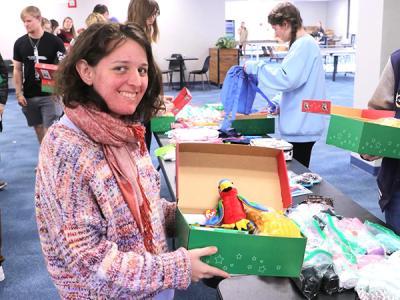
(244, 67)
(201, 270)
(21, 100)
(273, 112)
(168, 103)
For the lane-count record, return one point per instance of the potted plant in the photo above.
(225, 43)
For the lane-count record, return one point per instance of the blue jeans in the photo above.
(392, 212)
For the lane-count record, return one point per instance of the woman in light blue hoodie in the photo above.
(300, 76)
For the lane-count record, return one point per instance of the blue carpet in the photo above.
(25, 271)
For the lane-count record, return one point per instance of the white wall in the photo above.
(368, 55)
(255, 14)
(332, 14)
(312, 12)
(337, 17)
(353, 26)
(375, 41)
(189, 27)
(390, 33)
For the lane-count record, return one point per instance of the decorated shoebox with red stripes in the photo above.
(48, 86)
(365, 131)
(260, 175)
(161, 124)
(46, 73)
(181, 100)
(316, 106)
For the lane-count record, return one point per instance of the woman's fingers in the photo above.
(216, 272)
(200, 269)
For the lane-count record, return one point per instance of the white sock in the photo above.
(2, 277)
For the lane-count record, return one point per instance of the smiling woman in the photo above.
(102, 224)
(120, 78)
(100, 69)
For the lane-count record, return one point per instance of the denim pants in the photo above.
(392, 212)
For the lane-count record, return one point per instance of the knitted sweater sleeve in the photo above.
(169, 209)
(138, 273)
(74, 207)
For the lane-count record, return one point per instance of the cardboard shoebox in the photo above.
(46, 73)
(354, 129)
(181, 100)
(48, 86)
(161, 124)
(260, 175)
(254, 124)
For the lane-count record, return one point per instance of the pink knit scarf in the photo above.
(118, 139)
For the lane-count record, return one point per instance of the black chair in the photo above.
(201, 72)
(169, 76)
(265, 51)
(174, 66)
(272, 55)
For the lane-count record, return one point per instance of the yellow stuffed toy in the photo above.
(273, 223)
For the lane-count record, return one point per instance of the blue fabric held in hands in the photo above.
(238, 93)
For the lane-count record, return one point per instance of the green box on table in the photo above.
(260, 175)
(254, 124)
(161, 124)
(353, 129)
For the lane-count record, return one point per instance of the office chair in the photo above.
(201, 72)
(265, 52)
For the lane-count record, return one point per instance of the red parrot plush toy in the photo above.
(231, 209)
(234, 214)
(231, 212)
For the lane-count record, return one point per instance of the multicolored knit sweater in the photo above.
(91, 243)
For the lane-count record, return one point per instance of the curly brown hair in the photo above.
(286, 12)
(92, 45)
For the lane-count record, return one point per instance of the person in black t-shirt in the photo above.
(37, 46)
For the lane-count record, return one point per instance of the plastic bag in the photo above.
(388, 239)
(317, 274)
